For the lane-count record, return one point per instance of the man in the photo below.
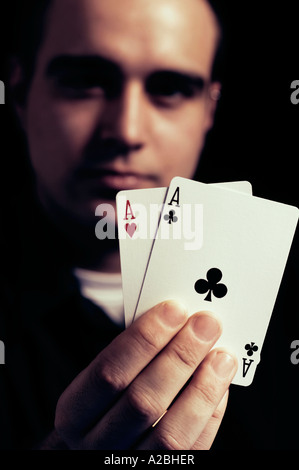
(99, 118)
(121, 95)
(125, 112)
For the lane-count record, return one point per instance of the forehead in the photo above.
(137, 34)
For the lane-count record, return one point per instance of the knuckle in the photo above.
(207, 395)
(218, 414)
(143, 405)
(146, 341)
(109, 377)
(167, 441)
(185, 355)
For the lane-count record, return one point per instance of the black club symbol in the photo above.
(211, 285)
(171, 217)
(251, 348)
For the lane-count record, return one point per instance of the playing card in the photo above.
(136, 234)
(138, 213)
(235, 272)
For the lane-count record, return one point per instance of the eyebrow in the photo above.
(183, 78)
(68, 63)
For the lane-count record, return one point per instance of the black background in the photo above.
(255, 138)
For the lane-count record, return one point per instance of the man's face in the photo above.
(120, 98)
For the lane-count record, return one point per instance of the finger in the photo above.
(157, 386)
(207, 437)
(189, 415)
(97, 387)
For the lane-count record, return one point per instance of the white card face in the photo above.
(136, 239)
(137, 225)
(235, 272)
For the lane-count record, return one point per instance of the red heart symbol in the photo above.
(131, 229)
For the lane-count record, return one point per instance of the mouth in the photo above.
(113, 180)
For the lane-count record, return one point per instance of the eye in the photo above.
(88, 84)
(170, 88)
(84, 76)
(77, 81)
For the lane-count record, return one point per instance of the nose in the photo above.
(124, 116)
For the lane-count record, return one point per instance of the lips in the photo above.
(116, 180)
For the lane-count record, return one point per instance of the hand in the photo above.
(114, 402)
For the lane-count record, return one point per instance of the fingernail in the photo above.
(206, 327)
(223, 364)
(173, 313)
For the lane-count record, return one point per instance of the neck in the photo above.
(105, 260)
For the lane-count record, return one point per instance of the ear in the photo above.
(18, 88)
(213, 98)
